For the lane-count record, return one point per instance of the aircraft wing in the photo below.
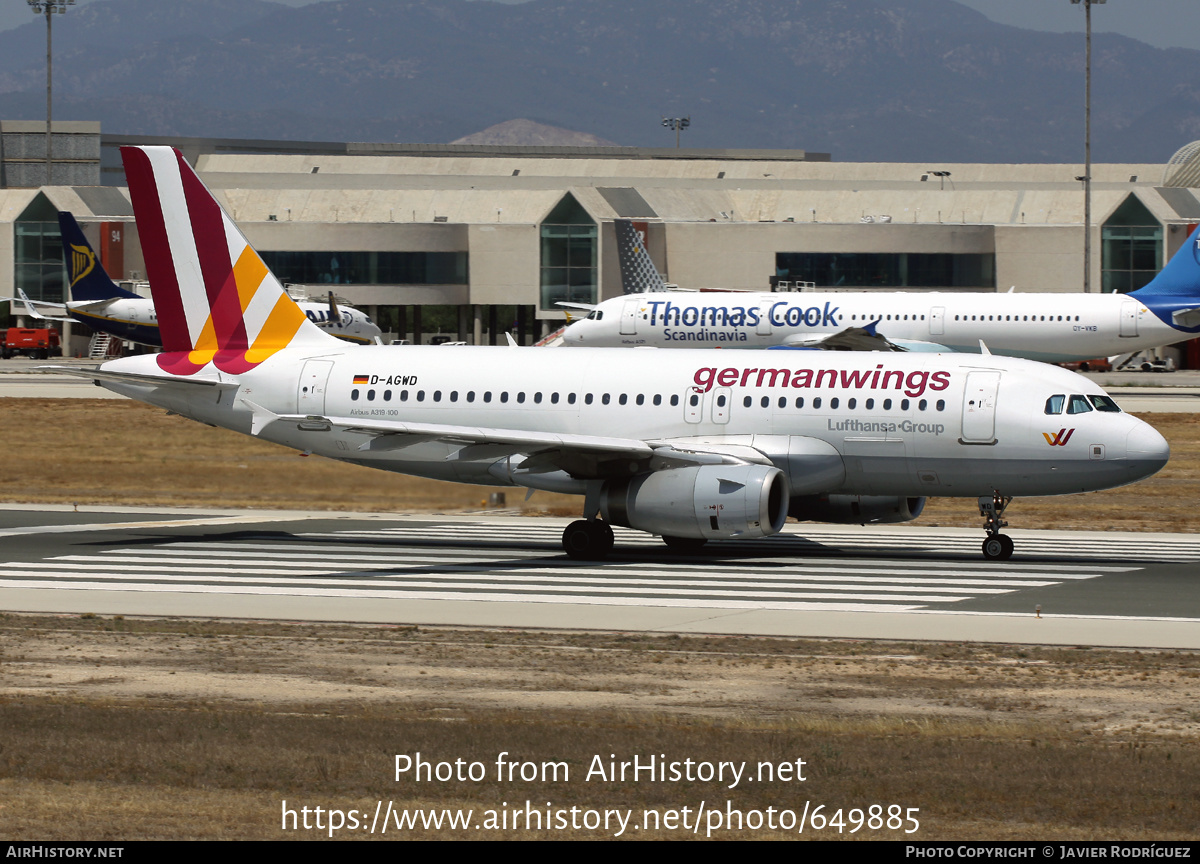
(91, 305)
(860, 339)
(582, 456)
(850, 339)
(31, 307)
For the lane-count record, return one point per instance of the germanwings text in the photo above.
(913, 384)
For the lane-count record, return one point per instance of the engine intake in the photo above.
(710, 502)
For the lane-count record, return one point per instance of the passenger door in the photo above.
(979, 407)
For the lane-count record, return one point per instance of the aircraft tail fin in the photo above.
(638, 273)
(1181, 276)
(85, 274)
(215, 299)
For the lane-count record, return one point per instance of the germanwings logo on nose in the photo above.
(1059, 438)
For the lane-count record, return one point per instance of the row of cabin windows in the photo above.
(834, 403)
(597, 315)
(1019, 318)
(640, 399)
(883, 317)
(1078, 404)
(520, 397)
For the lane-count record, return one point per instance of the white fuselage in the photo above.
(846, 423)
(134, 319)
(1046, 327)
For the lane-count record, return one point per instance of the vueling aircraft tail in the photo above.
(215, 298)
(638, 273)
(87, 278)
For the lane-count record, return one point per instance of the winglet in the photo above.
(983, 349)
(512, 343)
(29, 310)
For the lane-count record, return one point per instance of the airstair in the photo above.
(103, 346)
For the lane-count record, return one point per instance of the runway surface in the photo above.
(896, 582)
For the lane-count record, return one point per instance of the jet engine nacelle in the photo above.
(709, 502)
(856, 509)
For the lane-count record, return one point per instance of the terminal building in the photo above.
(467, 242)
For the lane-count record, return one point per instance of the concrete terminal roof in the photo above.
(599, 171)
(521, 189)
(684, 203)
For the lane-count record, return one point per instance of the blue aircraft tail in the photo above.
(1181, 276)
(87, 278)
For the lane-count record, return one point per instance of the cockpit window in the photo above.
(1054, 405)
(1104, 403)
(1079, 404)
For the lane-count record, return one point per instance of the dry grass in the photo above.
(989, 742)
(137, 454)
(120, 452)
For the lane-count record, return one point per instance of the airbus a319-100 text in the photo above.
(1053, 328)
(693, 446)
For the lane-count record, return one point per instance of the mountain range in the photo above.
(865, 80)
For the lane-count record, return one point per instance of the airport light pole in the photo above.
(1087, 146)
(49, 8)
(678, 124)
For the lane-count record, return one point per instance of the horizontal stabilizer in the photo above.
(98, 374)
(1186, 317)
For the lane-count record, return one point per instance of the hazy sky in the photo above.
(1163, 23)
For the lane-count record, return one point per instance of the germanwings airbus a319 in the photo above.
(106, 307)
(1053, 328)
(689, 445)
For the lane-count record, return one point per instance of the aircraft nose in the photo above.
(1147, 446)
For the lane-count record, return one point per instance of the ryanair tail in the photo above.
(638, 273)
(215, 298)
(86, 277)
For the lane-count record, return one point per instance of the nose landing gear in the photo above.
(996, 546)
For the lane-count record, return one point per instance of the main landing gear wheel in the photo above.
(684, 544)
(998, 547)
(588, 539)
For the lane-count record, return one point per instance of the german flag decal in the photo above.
(362, 379)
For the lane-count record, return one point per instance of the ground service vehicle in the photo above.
(38, 343)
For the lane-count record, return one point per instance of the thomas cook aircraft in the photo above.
(1053, 328)
(689, 445)
(106, 307)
